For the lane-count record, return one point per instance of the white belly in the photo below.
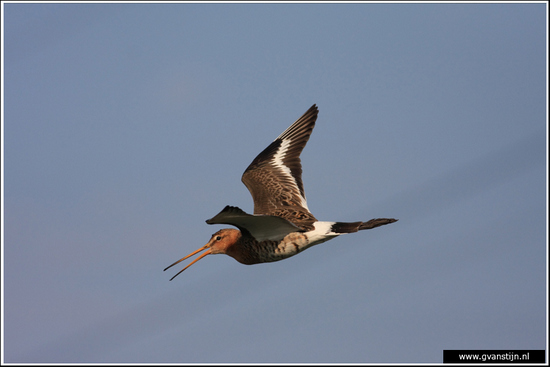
(297, 242)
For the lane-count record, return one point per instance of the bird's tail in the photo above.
(350, 227)
(376, 222)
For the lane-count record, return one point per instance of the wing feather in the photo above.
(274, 178)
(261, 227)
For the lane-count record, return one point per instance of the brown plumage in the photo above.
(282, 224)
(274, 191)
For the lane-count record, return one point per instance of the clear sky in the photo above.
(128, 125)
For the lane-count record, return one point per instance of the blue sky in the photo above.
(128, 125)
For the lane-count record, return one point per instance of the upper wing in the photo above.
(261, 227)
(274, 178)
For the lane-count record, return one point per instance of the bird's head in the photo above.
(221, 242)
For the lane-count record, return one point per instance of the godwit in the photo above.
(282, 224)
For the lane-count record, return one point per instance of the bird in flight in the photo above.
(282, 224)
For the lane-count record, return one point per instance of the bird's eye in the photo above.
(218, 238)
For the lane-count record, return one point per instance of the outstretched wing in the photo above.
(261, 227)
(274, 178)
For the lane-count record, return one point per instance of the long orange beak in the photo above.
(207, 252)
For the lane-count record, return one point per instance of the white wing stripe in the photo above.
(278, 162)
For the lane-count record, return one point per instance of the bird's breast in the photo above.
(250, 251)
(290, 245)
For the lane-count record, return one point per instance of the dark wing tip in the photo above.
(306, 121)
(225, 211)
